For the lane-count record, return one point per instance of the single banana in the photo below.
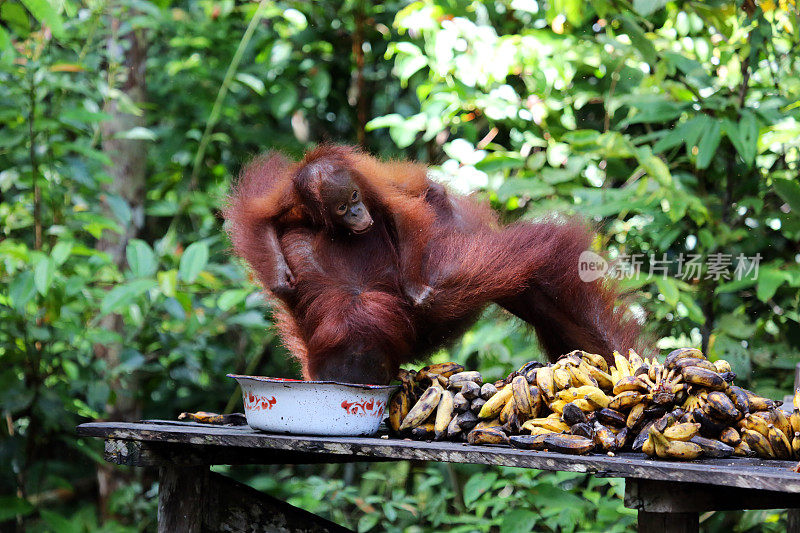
(684, 431)
(544, 380)
(636, 415)
(572, 414)
(453, 428)
(528, 442)
(553, 424)
(399, 406)
(507, 410)
(722, 366)
(781, 421)
(604, 438)
(796, 445)
(538, 430)
(488, 390)
(780, 444)
(439, 369)
(557, 406)
(722, 406)
(495, 404)
(794, 420)
(634, 360)
(629, 383)
(703, 378)
(602, 378)
(423, 408)
(444, 414)
(755, 423)
(572, 444)
(521, 393)
(423, 431)
(625, 400)
(595, 360)
(562, 378)
(458, 379)
(611, 418)
(579, 377)
(489, 424)
(758, 443)
(487, 436)
(622, 365)
(730, 437)
(742, 449)
(739, 398)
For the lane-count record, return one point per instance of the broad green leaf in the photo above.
(320, 83)
(168, 282)
(282, 100)
(61, 252)
(530, 188)
(668, 288)
(639, 39)
(12, 506)
(232, 297)
(123, 295)
(478, 484)
(709, 143)
(789, 191)
(22, 289)
(648, 7)
(141, 259)
(43, 274)
(769, 279)
(193, 261)
(518, 521)
(46, 13)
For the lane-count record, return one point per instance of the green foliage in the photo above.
(673, 125)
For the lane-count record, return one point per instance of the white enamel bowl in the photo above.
(313, 407)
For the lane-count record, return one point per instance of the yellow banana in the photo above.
(522, 396)
(495, 404)
(780, 443)
(553, 424)
(629, 383)
(444, 414)
(399, 406)
(544, 380)
(625, 400)
(487, 436)
(423, 408)
(684, 431)
(636, 415)
(758, 443)
(622, 365)
(561, 378)
(595, 360)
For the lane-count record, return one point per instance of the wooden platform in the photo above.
(668, 495)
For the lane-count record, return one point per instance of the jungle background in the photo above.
(671, 124)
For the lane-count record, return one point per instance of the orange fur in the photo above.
(349, 309)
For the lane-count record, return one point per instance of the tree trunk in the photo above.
(127, 54)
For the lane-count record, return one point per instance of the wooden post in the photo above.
(668, 522)
(181, 498)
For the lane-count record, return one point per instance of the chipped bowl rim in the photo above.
(289, 381)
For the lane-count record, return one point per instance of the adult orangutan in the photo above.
(373, 265)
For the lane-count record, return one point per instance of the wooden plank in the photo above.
(734, 472)
(668, 522)
(143, 453)
(671, 497)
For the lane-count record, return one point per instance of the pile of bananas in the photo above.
(683, 408)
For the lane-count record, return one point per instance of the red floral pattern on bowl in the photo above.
(364, 407)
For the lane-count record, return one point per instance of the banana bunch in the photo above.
(684, 408)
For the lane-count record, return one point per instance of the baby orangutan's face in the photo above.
(344, 204)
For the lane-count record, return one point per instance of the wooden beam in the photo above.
(749, 473)
(678, 497)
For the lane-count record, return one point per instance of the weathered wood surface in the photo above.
(667, 497)
(194, 500)
(734, 472)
